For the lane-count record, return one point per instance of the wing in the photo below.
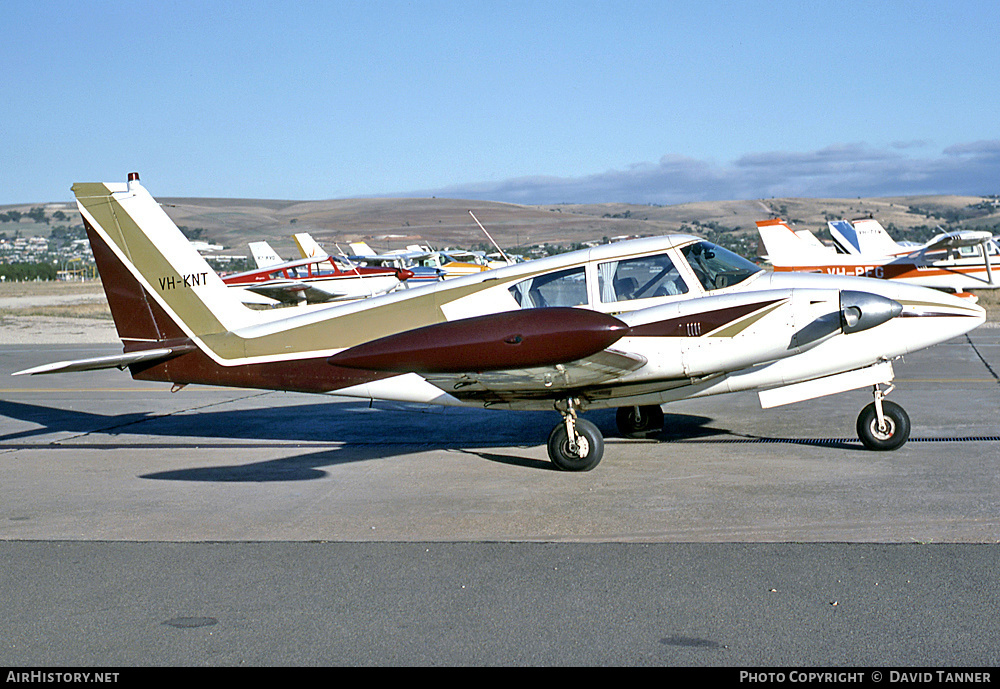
(952, 240)
(295, 292)
(542, 381)
(287, 292)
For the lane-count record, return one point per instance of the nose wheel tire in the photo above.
(891, 435)
(640, 422)
(588, 450)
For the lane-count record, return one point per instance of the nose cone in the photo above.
(931, 316)
(928, 316)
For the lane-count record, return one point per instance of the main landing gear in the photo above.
(883, 425)
(576, 444)
(640, 422)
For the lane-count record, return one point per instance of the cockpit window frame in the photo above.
(610, 295)
(525, 289)
(695, 278)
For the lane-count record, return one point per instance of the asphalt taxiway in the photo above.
(220, 526)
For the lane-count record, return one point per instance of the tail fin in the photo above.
(308, 247)
(361, 249)
(158, 286)
(264, 256)
(149, 331)
(864, 237)
(786, 247)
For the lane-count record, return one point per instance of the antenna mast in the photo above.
(492, 241)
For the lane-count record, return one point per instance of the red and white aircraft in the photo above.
(318, 279)
(952, 261)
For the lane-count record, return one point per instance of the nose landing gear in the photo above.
(883, 425)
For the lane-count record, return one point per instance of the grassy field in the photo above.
(51, 298)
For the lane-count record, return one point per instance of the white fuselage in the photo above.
(794, 336)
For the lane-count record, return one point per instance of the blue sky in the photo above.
(533, 102)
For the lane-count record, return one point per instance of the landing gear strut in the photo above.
(575, 444)
(883, 425)
(640, 422)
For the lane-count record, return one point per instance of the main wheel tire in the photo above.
(896, 432)
(648, 423)
(559, 451)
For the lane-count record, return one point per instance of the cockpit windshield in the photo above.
(716, 267)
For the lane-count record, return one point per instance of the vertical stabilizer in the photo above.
(785, 247)
(308, 247)
(361, 249)
(158, 286)
(865, 237)
(264, 256)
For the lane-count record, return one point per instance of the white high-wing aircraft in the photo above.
(952, 261)
(630, 325)
(422, 275)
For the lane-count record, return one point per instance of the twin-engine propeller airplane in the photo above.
(630, 325)
(952, 261)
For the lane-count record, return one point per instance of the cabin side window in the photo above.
(645, 277)
(562, 288)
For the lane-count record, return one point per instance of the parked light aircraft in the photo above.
(317, 279)
(417, 256)
(422, 275)
(367, 259)
(630, 325)
(952, 261)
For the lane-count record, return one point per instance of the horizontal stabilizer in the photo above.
(100, 362)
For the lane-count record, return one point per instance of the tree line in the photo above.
(28, 271)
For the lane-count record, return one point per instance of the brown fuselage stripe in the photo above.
(706, 321)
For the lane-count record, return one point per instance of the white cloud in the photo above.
(845, 170)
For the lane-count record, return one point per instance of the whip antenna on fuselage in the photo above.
(492, 241)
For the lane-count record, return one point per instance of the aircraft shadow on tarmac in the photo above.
(358, 431)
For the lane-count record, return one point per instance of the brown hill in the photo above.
(389, 223)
